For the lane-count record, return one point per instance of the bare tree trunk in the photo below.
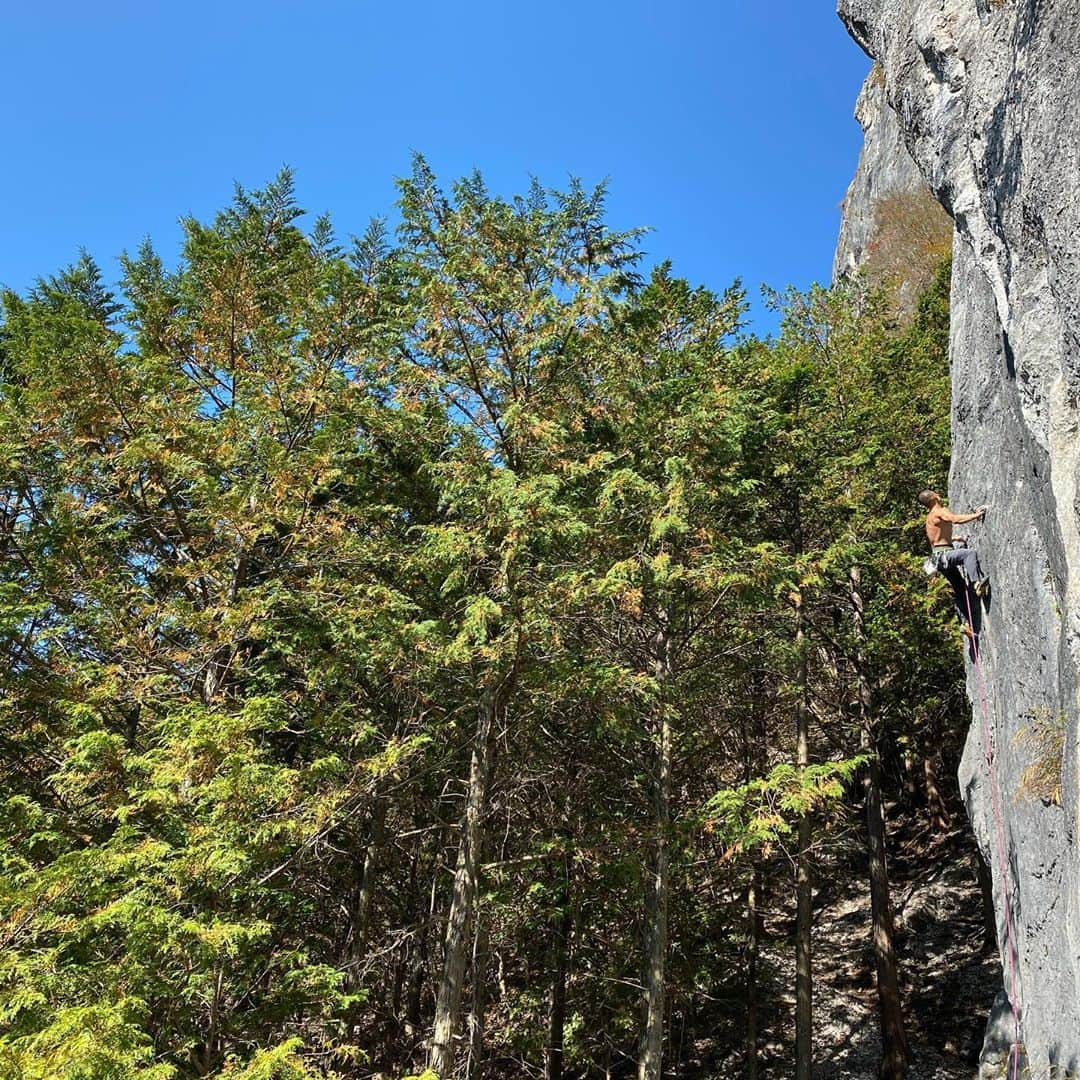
(804, 1004)
(411, 1026)
(935, 801)
(475, 1067)
(463, 897)
(392, 1030)
(894, 1049)
(419, 957)
(754, 740)
(650, 1059)
(753, 919)
(360, 915)
(415, 991)
(912, 792)
(553, 1058)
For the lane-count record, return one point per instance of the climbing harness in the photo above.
(999, 831)
(932, 563)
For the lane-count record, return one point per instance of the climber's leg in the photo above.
(980, 583)
(971, 565)
(952, 575)
(969, 560)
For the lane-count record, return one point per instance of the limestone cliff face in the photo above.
(987, 97)
(885, 169)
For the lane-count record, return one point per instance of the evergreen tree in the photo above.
(424, 650)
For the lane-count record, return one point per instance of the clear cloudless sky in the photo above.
(725, 125)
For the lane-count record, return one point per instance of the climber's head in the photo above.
(929, 498)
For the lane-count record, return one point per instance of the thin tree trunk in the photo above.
(753, 919)
(360, 915)
(419, 954)
(463, 896)
(650, 1059)
(553, 1058)
(392, 1030)
(754, 743)
(804, 1006)
(935, 801)
(894, 1049)
(415, 993)
(912, 791)
(475, 1068)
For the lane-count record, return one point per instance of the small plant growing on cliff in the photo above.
(1044, 738)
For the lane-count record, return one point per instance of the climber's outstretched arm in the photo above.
(945, 514)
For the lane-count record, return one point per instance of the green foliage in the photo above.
(105, 1041)
(276, 520)
(765, 811)
(282, 1062)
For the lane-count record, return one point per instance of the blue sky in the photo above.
(725, 125)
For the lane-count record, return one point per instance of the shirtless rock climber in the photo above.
(949, 559)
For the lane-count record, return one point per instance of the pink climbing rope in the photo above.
(999, 830)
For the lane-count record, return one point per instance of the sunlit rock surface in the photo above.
(987, 99)
(885, 169)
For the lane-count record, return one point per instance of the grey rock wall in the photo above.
(987, 97)
(885, 168)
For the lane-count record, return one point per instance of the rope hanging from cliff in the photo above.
(999, 832)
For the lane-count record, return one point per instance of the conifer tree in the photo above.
(402, 641)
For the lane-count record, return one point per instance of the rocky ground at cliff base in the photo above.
(949, 978)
